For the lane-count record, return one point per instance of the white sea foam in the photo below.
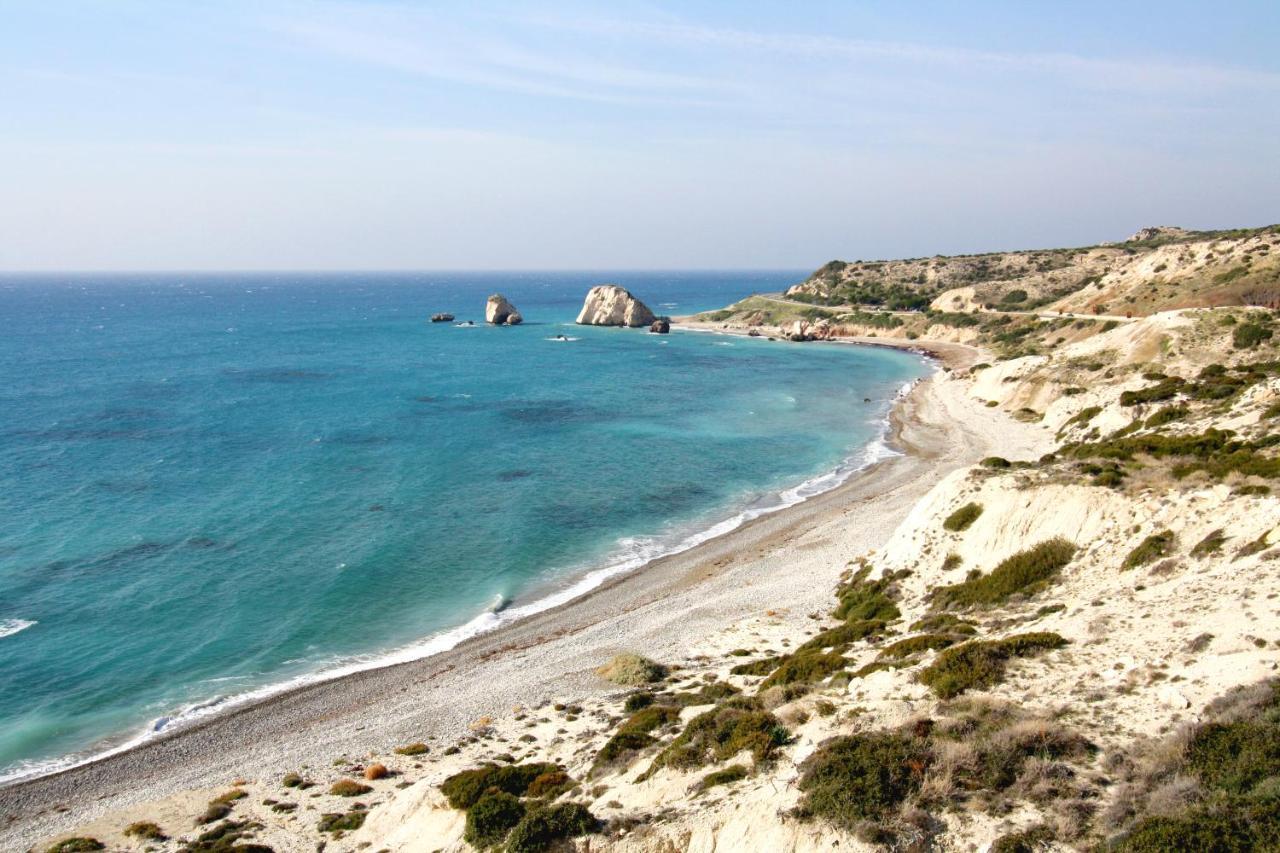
(9, 627)
(631, 554)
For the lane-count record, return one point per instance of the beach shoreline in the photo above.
(660, 609)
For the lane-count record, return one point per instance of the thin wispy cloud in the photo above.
(1100, 72)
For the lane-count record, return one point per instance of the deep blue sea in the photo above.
(215, 485)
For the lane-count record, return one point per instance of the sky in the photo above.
(624, 135)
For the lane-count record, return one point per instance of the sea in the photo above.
(217, 486)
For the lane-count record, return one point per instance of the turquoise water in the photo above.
(218, 484)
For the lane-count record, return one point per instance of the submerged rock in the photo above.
(500, 312)
(611, 305)
(660, 326)
(441, 318)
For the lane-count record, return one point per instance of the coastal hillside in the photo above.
(1069, 641)
(1156, 269)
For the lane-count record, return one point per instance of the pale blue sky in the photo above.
(363, 134)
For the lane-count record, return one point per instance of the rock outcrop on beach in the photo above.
(660, 326)
(500, 312)
(611, 305)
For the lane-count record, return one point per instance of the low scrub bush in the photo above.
(842, 636)
(634, 734)
(349, 788)
(804, 668)
(981, 663)
(491, 818)
(861, 599)
(863, 777)
(914, 645)
(764, 666)
(729, 775)
(145, 830)
(1025, 573)
(631, 670)
(944, 622)
(77, 845)
(1226, 769)
(418, 748)
(963, 517)
(464, 789)
(544, 826)
(1154, 547)
(342, 822)
(735, 726)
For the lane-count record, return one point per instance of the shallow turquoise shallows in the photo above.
(217, 485)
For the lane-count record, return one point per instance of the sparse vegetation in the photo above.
(544, 825)
(411, 749)
(349, 788)
(736, 725)
(1154, 547)
(729, 775)
(631, 670)
(862, 777)
(963, 517)
(1024, 573)
(981, 663)
(342, 822)
(145, 830)
(77, 845)
(463, 790)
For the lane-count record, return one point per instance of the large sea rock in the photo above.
(500, 312)
(611, 305)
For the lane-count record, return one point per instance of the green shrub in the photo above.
(631, 670)
(349, 788)
(952, 561)
(1026, 572)
(145, 830)
(1254, 547)
(1167, 415)
(963, 517)
(842, 635)
(77, 845)
(292, 780)
(549, 785)
(996, 462)
(1165, 389)
(914, 645)
(1033, 839)
(720, 734)
(861, 777)
(636, 701)
(861, 599)
(729, 775)
(491, 818)
(418, 748)
(1210, 544)
(464, 789)
(1154, 547)
(940, 622)
(543, 826)
(764, 666)
(334, 822)
(981, 663)
(1233, 826)
(1236, 757)
(633, 735)
(805, 668)
(1083, 416)
(707, 694)
(1249, 335)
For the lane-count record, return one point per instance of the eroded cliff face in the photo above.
(611, 305)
